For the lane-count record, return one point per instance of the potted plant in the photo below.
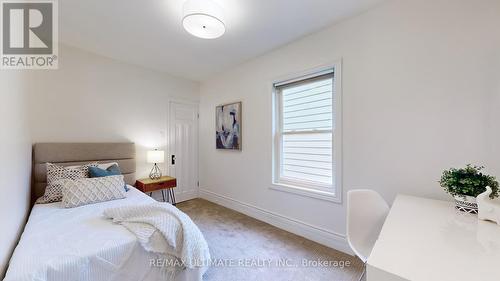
(466, 184)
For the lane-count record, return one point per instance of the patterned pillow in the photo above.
(53, 191)
(81, 192)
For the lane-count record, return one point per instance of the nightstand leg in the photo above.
(173, 197)
(151, 194)
(163, 195)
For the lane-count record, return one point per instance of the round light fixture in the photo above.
(203, 18)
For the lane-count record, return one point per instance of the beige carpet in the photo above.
(247, 249)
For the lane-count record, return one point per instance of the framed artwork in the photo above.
(228, 126)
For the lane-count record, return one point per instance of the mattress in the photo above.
(79, 244)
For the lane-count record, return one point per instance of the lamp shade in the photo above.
(156, 156)
(203, 19)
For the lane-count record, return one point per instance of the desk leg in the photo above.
(375, 274)
(163, 195)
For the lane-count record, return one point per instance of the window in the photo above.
(305, 122)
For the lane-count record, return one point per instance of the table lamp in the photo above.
(154, 157)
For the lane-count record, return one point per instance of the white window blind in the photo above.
(306, 122)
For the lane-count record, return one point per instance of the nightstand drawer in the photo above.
(150, 186)
(166, 184)
(160, 185)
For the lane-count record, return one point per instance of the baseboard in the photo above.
(316, 234)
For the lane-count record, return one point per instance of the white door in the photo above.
(183, 149)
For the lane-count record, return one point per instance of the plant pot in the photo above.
(466, 204)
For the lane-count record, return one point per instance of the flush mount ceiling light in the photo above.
(203, 18)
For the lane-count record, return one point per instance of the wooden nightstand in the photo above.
(149, 185)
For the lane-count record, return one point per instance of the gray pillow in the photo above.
(86, 191)
(53, 191)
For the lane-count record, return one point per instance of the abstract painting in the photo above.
(228, 126)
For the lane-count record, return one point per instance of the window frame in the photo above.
(320, 191)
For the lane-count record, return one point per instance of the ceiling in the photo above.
(149, 33)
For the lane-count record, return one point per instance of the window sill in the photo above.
(317, 194)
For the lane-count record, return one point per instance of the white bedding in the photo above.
(79, 244)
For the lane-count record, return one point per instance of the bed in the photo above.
(60, 244)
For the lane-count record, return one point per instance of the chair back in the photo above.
(366, 213)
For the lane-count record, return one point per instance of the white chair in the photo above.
(366, 213)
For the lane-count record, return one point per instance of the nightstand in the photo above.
(164, 183)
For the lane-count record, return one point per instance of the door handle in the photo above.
(173, 159)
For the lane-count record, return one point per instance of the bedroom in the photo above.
(414, 88)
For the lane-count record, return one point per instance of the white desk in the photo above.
(427, 240)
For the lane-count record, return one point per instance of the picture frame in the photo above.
(228, 126)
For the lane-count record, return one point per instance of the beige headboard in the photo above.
(67, 154)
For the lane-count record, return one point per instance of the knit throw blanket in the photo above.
(163, 229)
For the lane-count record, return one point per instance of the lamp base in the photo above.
(155, 173)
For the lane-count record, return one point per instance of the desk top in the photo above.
(425, 239)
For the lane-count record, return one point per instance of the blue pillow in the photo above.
(112, 170)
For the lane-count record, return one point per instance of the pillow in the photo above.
(53, 191)
(113, 170)
(97, 172)
(86, 191)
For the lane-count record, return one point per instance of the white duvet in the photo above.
(80, 244)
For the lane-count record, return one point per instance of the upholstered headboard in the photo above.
(68, 154)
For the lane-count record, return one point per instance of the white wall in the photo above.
(15, 162)
(493, 128)
(417, 77)
(91, 98)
